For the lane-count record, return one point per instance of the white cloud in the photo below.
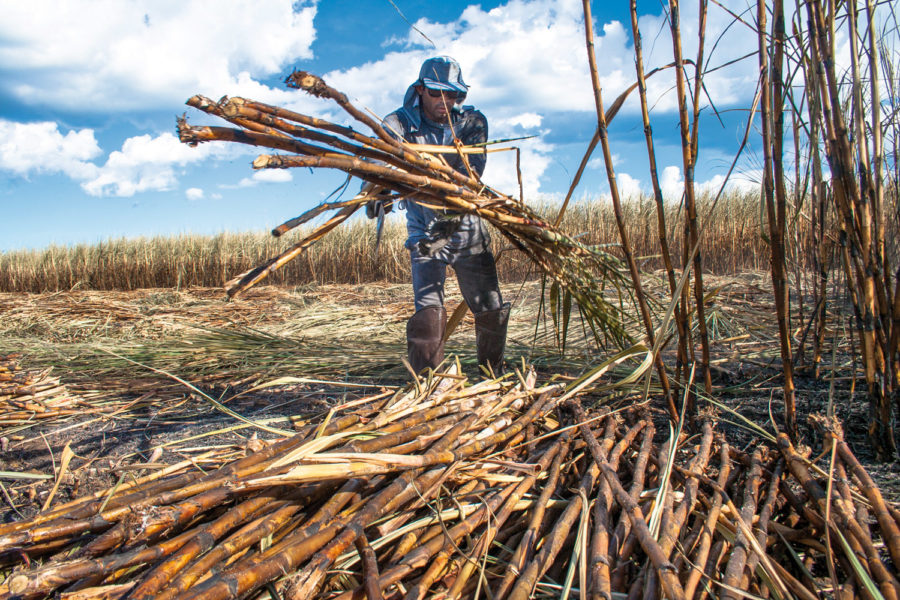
(115, 55)
(629, 187)
(147, 163)
(672, 183)
(27, 148)
(535, 66)
(266, 176)
(194, 193)
(598, 162)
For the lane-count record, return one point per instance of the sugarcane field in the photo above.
(611, 396)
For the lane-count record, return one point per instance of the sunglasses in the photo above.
(445, 93)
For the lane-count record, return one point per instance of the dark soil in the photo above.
(118, 437)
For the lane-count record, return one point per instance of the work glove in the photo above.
(382, 200)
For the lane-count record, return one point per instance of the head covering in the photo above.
(442, 73)
(437, 73)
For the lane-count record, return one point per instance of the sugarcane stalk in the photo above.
(523, 553)
(691, 227)
(670, 534)
(774, 191)
(671, 586)
(638, 480)
(680, 314)
(407, 153)
(554, 540)
(701, 555)
(890, 531)
(437, 549)
(548, 458)
(369, 567)
(316, 86)
(617, 210)
(247, 280)
(304, 583)
(762, 524)
(203, 540)
(734, 570)
(887, 583)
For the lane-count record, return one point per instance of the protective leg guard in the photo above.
(490, 337)
(425, 337)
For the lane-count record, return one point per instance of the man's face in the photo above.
(436, 103)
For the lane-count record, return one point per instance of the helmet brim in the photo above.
(432, 84)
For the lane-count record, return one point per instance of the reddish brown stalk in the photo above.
(369, 568)
(523, 553)
(890, 531)
(304, 584)
(322, 532)
(670, 535)
(554, 540)
(436, 551)
(700, 557)
(887, 583)
(203, 540)
(668, 577)
(734, 570)
(617, 210)
(247, 280)
(775, 193)
(855, 209)
(268, 115)
(41, 583)
(548, 458)
(691, 225)
(680, 313)
(316, 86)
(493, 524)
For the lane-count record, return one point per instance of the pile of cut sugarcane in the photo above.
(410, 171)
(501, 489)
(27, 395)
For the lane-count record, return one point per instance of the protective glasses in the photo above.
(445, 93)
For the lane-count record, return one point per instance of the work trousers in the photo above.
(475, 273)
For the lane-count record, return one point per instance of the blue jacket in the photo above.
(470, 127)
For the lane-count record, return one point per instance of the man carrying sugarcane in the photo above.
(433, 114)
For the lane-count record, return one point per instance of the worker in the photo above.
(433, 113)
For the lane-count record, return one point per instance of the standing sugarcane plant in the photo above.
(680, 311)
(857, 183)
(689, 159)
(617, 209)
(774, 192)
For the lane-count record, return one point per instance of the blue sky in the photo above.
(90, 89)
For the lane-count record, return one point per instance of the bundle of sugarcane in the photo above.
(411, 171)
(27, 394)
(450, 491)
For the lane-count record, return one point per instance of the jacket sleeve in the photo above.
(475, 132)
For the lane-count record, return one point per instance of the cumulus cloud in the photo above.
(145, 54)
(672, 183)
(266, 176)
(535, 67)
(27, 148)
(147, 163)
(194, 193)
(629, 187)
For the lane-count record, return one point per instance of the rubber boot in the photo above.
(425, 337)
(490, 337)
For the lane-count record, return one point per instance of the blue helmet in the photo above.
(442, 73)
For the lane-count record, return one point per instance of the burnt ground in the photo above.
(339, 343)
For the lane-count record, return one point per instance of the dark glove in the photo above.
(437, 235)
(383, 200)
